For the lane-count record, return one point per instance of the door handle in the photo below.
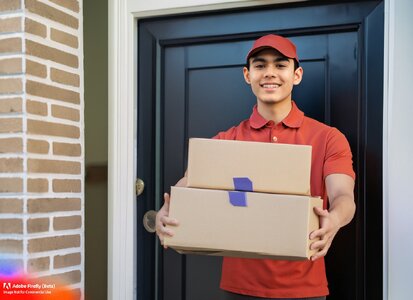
(149, 221)
(140, 186)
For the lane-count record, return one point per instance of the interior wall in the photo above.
(96, 145)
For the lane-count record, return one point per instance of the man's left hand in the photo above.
(329, 226)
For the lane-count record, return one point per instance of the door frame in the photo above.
(123, 47)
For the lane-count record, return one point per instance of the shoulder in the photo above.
(231, 133)
(313, 124)
(320, 129)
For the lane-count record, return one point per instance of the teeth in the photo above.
(270, 86)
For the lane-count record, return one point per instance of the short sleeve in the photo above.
(338, 158)
(230, 134)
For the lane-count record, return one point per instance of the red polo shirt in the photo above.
(330, 154)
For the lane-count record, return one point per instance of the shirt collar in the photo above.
(293, 120)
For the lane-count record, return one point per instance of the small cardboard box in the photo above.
(272, 168)
(265, 226)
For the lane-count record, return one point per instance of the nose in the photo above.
(270, 71)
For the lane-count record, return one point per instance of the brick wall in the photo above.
(41, 138)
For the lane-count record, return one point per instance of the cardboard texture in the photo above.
(272, 168)
(268, 226)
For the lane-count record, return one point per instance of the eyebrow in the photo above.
(278, 59)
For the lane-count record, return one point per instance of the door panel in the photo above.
(311, 95)
(200, 90)
(218, 98)
(216, 94)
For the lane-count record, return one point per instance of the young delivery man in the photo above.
(272, 70)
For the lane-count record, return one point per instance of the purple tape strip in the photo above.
(237, 198)
(242, 184)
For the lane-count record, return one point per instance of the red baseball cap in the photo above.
(277, 42)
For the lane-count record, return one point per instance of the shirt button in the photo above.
(274, 139)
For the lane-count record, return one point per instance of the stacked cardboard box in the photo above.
(245, 199)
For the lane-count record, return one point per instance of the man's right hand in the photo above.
(163, 219)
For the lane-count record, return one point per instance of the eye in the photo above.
(259, 66)
(281, 66)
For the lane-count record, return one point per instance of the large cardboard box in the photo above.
(272, 168)
(215, 222)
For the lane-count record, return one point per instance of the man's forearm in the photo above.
(343, 209)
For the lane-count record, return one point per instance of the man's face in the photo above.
(272, 76)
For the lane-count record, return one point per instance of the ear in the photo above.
(247, 75)
(298, 75)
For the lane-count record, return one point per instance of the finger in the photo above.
(161, 240)
(163, 230)
(159, 229)
(322, 252)
(162, 234)
(321, 212)
(319, 233)
(318, 255)
(169, 221)
(167, 232)
(318, 245)
(167, 200)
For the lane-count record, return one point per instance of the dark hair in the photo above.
(247, 65)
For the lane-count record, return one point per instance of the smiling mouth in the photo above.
(270, 85)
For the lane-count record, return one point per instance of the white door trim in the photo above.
(397, 149)
(121, 153)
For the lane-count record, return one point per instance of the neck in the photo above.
(274, 111)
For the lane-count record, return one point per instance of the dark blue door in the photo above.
(191, 85)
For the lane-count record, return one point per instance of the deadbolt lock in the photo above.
(140, 186)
